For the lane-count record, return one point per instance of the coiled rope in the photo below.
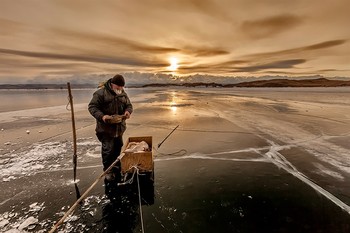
(139, 191)
(181, 152)
(136, 171)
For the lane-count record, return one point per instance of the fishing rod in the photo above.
(167, 136)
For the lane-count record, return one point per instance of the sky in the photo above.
(43, 41)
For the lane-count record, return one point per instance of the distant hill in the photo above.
(45, 86)
(319, 82)
(199, 84)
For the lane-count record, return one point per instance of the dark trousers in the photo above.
(111, 148)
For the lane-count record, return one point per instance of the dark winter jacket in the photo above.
(106, 102)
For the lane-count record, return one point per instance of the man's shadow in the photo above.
(122, 213)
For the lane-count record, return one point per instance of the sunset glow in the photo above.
(173, 64)
(67, 40)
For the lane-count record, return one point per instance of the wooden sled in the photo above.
(141, 161)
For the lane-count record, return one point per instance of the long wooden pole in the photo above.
(71, 209)
(74, 133)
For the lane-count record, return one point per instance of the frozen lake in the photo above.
(241, 160)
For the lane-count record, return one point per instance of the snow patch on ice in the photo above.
(7, 179)
(35, 207)
(49, 156)
(26, 223)
(26, 220)
(69, 182)
(88, 207)
(88, 143)
(4, 222)
(37, 157)
(94, 152)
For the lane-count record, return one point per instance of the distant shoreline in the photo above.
(319, 82)
(45, 86)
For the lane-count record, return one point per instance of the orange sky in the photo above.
(57, 38)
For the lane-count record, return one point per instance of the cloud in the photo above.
(284, 64)
(242, 66)
(106, 60)
(108, 42)
(269, 27)
(204, 51)
(208, 7)
(80, 47)
(318, 46)
(127, 46)
(213, 68)
(323, 45)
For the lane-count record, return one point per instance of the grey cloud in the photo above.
(269, 27)
(240, 66)
(213, 68)
(204, 51)
(328, 70)
(111, 42)
(294, 73)
(231, 63)
(318, 46)
(94, 59)
(132, 47)
(284, 64)
(332, 70)
(326, 44)
(204, 69)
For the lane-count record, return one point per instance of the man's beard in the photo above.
(118, 92)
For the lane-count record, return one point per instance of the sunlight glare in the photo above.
(173, 107)
(173, 64)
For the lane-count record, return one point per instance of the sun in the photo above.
(173, 64)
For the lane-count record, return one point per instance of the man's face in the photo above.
(116, 88)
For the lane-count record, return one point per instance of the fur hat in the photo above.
(118, 80)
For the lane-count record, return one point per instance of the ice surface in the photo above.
(243, 149)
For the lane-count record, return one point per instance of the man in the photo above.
(108, 101)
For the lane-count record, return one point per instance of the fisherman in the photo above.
(111, 106)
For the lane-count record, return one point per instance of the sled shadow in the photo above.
(122, 213)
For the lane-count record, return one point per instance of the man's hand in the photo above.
(127, 115)
(107, 118)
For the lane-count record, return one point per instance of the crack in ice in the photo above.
(281, 162)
